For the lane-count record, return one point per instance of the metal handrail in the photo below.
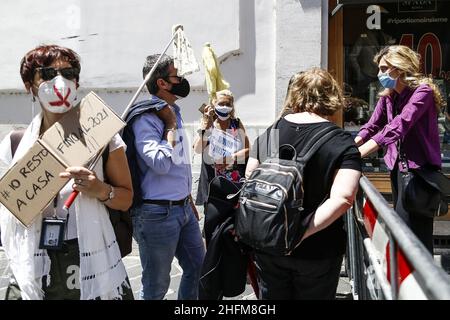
(433, 280)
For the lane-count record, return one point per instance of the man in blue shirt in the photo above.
(164, 223)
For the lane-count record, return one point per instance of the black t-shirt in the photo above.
(339, 152)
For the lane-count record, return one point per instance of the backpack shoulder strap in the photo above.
(316, 142)
(274, 139)
(276, 123)
(15, 137)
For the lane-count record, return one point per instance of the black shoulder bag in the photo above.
(424, 189)
(424, 192)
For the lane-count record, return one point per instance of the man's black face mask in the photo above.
(181, 89)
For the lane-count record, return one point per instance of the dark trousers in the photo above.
(291, 278)
(421, 226)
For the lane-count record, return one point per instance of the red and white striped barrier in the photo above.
(409, 288)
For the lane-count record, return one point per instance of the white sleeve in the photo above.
(5, 154)
(116, 143)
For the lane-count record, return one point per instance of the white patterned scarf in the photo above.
(102, 272)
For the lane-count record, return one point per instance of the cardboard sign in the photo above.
(29, 186)
(82, 132)
(222, 144)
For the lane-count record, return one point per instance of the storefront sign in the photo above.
(417, 5)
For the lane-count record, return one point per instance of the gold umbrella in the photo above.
(214, 79)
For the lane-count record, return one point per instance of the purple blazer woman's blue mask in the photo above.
(386, 80)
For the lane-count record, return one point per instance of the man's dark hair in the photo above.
(161, 70)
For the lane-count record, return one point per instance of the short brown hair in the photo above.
(44, 56)
(161, 70)
(314, 90)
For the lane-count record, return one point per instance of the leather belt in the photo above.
(181, 202)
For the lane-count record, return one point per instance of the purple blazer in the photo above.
(416, 125)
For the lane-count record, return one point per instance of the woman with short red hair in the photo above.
(88, 263)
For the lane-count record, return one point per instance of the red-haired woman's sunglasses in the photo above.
(48, 73)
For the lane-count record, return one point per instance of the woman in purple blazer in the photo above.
(405, 116)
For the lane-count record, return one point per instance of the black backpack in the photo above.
(271, 218)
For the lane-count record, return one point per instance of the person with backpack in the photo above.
(164, 222)
(88, 265)
(320, 192)
(224, 147)
(405, 121)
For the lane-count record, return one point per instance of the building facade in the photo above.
(259, 43)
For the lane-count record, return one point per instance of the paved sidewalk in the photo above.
(134, 270)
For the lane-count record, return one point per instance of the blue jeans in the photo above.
(162, 233)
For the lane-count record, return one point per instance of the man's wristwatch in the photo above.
(110, 194)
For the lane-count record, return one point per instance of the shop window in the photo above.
(421, 25)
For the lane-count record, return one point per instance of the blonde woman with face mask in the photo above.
(405, 117)
(223, 143)
(88, 265)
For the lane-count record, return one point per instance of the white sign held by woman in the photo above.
(222, 144)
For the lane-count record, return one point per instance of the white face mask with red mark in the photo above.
(57, 95)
